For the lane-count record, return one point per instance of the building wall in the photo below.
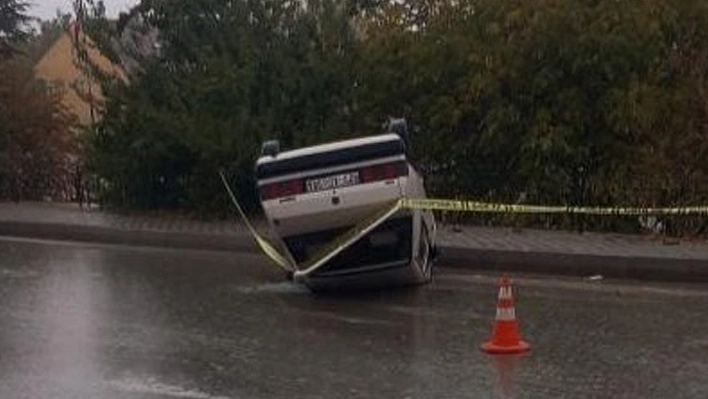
(79, 93)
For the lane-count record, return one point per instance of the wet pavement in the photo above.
(101, 321)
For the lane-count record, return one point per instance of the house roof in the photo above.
(58, 67)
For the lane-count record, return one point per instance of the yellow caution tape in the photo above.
(323, 255)
(352, 235)
(486, 207)
(272, 253)
(347, 239)
(268, 249)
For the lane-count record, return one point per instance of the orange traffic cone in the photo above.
(506, 338)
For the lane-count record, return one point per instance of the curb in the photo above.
(97, 234)
(580, 265)
(551, 263)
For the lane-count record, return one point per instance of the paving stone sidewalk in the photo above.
(566, 242)
(635, 256)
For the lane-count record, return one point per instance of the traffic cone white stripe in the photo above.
(506, 314)
(505, 293)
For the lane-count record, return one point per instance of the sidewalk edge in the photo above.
(169, 239)
(571, 264)
(552, 263)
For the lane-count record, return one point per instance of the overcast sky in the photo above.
(46, 9)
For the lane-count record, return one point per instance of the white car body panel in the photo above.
(301, 218)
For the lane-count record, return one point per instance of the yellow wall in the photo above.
(57, 67)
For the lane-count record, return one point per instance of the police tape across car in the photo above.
(355, 212)
(334, 213)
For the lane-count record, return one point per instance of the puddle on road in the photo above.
(17, 274)
(346, 319)
(154, 387)
(505, 369)
(285, 287)
(418, 311)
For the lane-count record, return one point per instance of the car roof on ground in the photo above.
(331, 154)
(333, 146)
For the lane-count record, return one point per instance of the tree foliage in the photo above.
(36, 148)
(229, 75)
(13, 26)
(593, 102)
(36, 143)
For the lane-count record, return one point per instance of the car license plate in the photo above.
(332, 182)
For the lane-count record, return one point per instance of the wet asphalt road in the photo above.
(94, 321)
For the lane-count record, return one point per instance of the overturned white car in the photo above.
(331, 207)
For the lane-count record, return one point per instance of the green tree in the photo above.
(35, 130)
(13, 26)
(569, 102)
(228, 76)
(35, 136)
